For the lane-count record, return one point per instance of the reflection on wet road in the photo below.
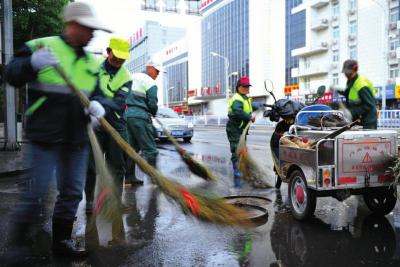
(155, 232)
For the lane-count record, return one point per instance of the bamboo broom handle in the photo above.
(146, 167)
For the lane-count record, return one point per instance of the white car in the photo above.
(176, 125)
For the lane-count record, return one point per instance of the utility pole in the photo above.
(10, 118)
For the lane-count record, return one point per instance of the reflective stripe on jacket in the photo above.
(81, 70)
(358, 84)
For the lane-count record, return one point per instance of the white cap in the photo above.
(156, 64)
(83, 14)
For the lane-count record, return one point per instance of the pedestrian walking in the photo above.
(56, 124)
(240, 108)
(115, 82)
(360, 96)
(142, 105)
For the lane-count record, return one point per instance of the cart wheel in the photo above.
(302, 200)
(380, 201)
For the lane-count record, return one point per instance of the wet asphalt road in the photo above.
(155, 232)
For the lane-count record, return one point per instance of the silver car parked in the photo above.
(176, 125)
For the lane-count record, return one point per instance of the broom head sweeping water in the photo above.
(247, 166)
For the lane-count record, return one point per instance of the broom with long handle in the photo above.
(211, 209)
(194, 166)
(247, 165)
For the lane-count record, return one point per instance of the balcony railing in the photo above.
(311, 71)
(319, 3)
(307, 51)
(320, 25)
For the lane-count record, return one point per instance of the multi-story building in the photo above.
(365, 30)
(148, 40)
(168, 21)
(295, 37)
(228, 30)
(176, 79)
(190, 7)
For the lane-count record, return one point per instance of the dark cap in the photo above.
(244, 81)
(350, 65)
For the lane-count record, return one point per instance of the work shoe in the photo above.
(63, 245)
(68, 248)
(236, 182)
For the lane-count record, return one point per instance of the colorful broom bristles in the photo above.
(193, 165)
(247, 166)
(215, 210)
(106, 202)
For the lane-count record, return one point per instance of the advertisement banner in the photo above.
(390, 92)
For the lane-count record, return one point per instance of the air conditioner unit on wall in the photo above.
(392, 54)
(324, 44)
(324, 21)
(334, 42)
(393, 26)
(335, 18)
(352, 37)
(351, 12)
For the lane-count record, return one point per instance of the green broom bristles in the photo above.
(106, 203)
(247, 166)
(194, 166)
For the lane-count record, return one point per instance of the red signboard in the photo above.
(327, 98)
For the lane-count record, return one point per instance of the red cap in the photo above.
(244, 81)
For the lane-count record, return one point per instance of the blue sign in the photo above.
(389, 92)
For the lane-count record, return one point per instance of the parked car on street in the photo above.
(176, 125)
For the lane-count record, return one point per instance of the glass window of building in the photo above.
(307, 83)
(352, 4)
(393, 71)
(193, 6)
(336, 32)
(335, 79)
(353, 52)
(335, 56)
(171, 5)
(150, 4)
(353, 27)
(227, 33)
(394, 43)
(307, 62)
(394, 15)
(335, 9)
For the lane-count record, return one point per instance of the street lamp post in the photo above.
(385, 43)
(226, 72)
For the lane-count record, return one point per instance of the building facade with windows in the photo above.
(365, 30)
(190, 7)
(148, 40)
(294, 38)
(228, 30)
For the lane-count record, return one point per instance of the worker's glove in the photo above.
(42, 58)
(94, 122)
(95, 109)
(253, 119)
(347, 114)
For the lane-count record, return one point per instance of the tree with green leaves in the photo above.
(36, 18)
